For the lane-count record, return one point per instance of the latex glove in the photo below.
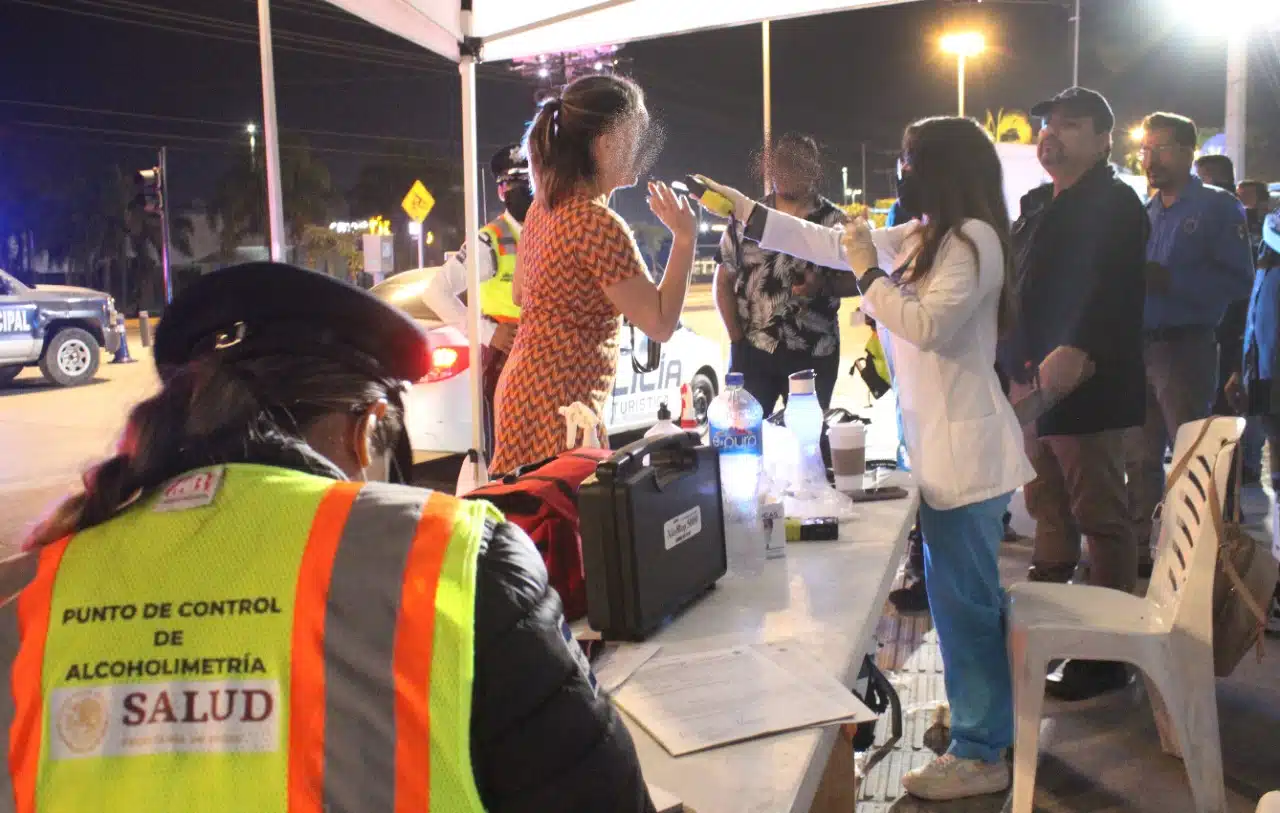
(742, 205)
(859, 249)
(1064, 369)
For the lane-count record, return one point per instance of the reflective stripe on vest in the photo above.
(496, 301)
(299, 645)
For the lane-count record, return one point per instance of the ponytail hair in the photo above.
(559, 142)
(213, 411)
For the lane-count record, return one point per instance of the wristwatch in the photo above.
(868, 277)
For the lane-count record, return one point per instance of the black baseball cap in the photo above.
(273, 307)
(509, 162)
(1079, 102)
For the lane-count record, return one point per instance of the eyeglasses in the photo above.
(903, 165)
(1147, 150)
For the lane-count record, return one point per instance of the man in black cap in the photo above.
(1080, 248)
(497, 265)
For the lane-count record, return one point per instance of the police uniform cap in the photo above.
(508, 161)
(292, 310)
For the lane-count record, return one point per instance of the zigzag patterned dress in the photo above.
(566, 349)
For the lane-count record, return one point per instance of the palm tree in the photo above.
(239, 206)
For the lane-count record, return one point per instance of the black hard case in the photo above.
(634, 581)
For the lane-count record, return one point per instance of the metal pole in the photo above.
(768, 102)
(422, 227)
(865, 194)
(270, 134)
(471, 222)
(484, 195)
(164, 225)
(1237, 96)
(844, 184)
(1075, 47)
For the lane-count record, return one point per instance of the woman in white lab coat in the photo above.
(940, 290)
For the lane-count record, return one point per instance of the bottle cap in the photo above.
(733, 380)
(664, 414)
(802, 383)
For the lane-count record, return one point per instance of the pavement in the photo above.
(1103, 757)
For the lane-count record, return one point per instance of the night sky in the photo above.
(846, 78)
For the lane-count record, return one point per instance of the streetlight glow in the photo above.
(964, 43)
(251, 128)
(1137, 133)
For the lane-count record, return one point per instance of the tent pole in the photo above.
(271, 134)
(471, 222)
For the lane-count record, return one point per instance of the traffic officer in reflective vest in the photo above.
(237, 613)
(497, 267)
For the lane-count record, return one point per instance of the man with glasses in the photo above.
(1079, 251)
(1198, 262)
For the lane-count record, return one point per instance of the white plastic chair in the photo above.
(1168, 634)
(1270, 803)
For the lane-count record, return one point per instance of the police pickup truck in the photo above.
(60, 328)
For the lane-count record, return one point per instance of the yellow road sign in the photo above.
(418, 203)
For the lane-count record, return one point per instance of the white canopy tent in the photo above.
(468, 31)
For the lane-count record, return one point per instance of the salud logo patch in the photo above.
(81, 721)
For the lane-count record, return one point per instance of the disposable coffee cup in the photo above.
(848, 454)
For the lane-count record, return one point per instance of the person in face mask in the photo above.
(499, 241)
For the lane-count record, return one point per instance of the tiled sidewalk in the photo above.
(1101, 758)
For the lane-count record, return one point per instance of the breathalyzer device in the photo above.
(709, 198)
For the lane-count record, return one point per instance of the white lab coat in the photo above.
(443, 293)
(964, 440)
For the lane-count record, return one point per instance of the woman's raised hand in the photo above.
(675, 211)
(859, 249)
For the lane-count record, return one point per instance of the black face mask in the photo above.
(909, 194)
(518, 200)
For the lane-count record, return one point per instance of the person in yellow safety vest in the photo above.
(237, 613)
(497, 268)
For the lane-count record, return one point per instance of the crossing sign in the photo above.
(418, 203)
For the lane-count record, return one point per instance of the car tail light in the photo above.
(447, 361)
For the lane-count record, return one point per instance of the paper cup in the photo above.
(848, 454)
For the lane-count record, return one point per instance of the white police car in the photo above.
(438, 407)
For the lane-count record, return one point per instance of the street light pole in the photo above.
(1237, 96)
(960, 85)
(1075, 47)
(768, 102)
(164, 225)
(271, 134)
(963, 45)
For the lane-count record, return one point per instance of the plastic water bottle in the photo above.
(737, 432)
(804, 418)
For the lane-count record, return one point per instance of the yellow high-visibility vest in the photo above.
(496, 301)
(253, 638)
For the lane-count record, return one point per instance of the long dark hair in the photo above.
(959, 177)
(254, 410)
(559, 140)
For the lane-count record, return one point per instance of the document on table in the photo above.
(694, 702)
(619, 662)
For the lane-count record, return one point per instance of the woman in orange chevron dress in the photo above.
(579, 268)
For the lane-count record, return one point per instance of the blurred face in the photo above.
(1069, 145)
(1164, 162)
(621, 153)
(792, 182)
(1248, 195)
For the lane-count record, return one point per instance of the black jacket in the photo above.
(543, 737)
(1080, 259)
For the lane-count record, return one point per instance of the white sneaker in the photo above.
(950, 777)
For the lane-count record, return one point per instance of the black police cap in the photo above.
(507, 160)
(273, 304)
(1079, 102)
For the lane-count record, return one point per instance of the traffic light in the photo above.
(150, 184)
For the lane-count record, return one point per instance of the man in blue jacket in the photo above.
(1198, 262)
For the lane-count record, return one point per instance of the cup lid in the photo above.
(802, 382)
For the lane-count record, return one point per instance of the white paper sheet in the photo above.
(694, 702)
(664, 802)
(619, 662)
